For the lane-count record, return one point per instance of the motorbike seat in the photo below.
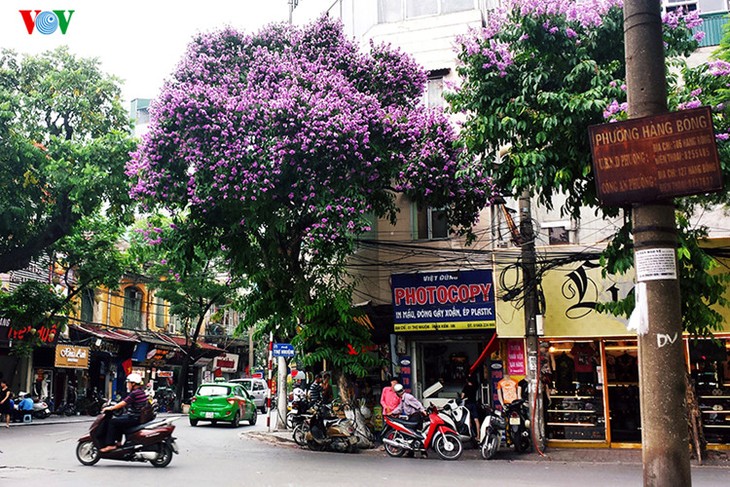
(142, 426)
(408, 424)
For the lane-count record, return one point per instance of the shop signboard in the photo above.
(227, 362)
(443, 301)
(516, 357)
(405, 372)
(654, 158)
(72, 357)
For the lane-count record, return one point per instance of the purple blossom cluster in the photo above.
(297, 124)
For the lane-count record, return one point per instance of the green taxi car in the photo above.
(222, 401)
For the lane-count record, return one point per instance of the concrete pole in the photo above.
(281, 395)
(664, 427)
(529, 273)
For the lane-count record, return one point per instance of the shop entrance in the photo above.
(622, 378)
(448, 362)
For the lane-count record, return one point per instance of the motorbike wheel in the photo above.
(448, 446)
(87, 453)
(236, 420)
(314, 446)
(300, 433)
(254, 417)
(164, 456)
(523, 443)
(490, 445)
(290, 421)
(391, 450)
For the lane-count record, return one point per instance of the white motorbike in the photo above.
(459, 418)
(492, 428)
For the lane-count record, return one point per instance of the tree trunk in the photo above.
(695, 421)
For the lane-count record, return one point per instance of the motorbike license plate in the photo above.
(514, 421)
(210, 415)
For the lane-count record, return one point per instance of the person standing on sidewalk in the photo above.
(388, 398)
(6, 403)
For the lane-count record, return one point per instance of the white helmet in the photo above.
(134, 378)
(398, 388)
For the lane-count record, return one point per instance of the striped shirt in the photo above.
(135, 400)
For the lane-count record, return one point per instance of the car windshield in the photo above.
(246, 385)
(213, 390)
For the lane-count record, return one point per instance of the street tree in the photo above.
(286, 144)
(535, 78)
(185, 268)
(64, 142)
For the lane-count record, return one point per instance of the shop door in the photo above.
(622, 375)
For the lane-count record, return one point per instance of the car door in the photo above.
(249, 406)
(241, 398)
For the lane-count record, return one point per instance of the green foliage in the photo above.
(64, 142)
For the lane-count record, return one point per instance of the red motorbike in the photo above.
(435, 434)
(150, 442)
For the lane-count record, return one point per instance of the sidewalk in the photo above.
(617, 456)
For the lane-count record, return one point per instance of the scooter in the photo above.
(326, 431)
(518, 429)
(491, 433)
(150, 442)
(40, 409)
(435, 434)
(459, 418)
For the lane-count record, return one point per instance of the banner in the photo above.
(443, 301)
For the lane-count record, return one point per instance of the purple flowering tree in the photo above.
(537, 76)
(284, 145)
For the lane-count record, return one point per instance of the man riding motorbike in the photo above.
(134, 402)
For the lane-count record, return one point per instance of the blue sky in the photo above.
(138, 41)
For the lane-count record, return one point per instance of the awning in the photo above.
(112, 334)
(180, 341)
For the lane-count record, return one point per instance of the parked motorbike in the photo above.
(518, 428)
(492, 428)
(435, 434)
(151, 442)
(459, 418)
(40, 409)
(327, 431)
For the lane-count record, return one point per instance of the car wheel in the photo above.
(164, 456)
(193, 422)
(236, 420)
(87, 453)
(213, 422)
(254, 417)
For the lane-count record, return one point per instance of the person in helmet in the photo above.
(135, 400)
(409, 406)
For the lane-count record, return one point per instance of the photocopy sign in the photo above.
(443, 301)
(654, 158)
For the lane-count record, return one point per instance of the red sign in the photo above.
(45, 334)
(656, 158)
(515, 357)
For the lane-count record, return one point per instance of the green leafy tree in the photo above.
(536, 78)
(285, 144)
(64, 142)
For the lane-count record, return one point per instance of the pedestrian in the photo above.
(315, 390)
(6, 403)
(409, 406)
(469, 396)
(326, 388)
(388, 398)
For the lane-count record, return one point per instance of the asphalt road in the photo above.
(43, 455)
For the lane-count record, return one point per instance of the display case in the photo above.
(715, 409)
(576, 417)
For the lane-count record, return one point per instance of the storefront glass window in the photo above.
(622, 379)
(575, 401)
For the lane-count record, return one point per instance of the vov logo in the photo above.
(46, 22)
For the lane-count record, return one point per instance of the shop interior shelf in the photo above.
(571, 397)
(585, 425)
(571, 411)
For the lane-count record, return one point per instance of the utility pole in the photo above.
(529, 275)
(664, 427)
